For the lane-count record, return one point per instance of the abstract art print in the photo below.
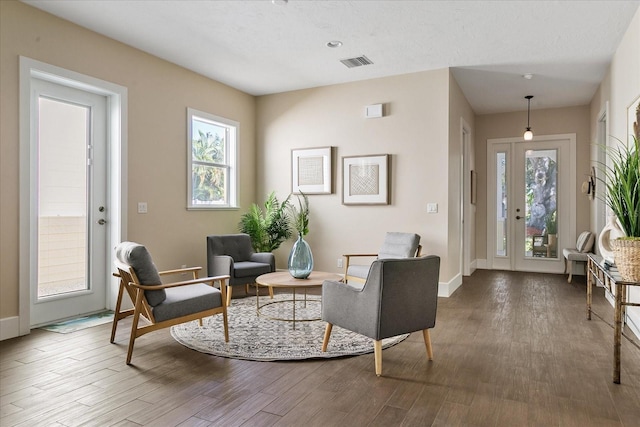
(311, 170)
(365, 180)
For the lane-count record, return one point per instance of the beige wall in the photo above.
(620, 88)
(414, 131)
(543, 122)
(159, 93)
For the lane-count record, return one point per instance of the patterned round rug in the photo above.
(260, 338)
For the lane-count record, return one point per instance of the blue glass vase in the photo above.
(300, 259)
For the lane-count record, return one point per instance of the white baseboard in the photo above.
(473, 266)
(446, 289)
(9, 327)
(633, 322)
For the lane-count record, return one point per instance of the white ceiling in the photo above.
(263, 48)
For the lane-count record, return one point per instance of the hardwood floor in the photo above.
(510, 349)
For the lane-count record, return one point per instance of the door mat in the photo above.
(79, 323)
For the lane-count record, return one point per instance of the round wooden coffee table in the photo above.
(282, 279)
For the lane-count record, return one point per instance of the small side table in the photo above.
(282, 279)
(608, 277)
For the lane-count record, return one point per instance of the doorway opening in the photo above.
(530, 202)
(72, 196)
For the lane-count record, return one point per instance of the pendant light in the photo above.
(528, 134)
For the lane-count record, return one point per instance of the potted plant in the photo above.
(551, 227)
(300, 262)
(268, 228)
(622, 182)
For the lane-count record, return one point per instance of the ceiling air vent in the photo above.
(356, 62)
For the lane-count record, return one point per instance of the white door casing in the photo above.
(115, 164)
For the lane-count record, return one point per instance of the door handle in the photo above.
(102, 221)
(518, 217)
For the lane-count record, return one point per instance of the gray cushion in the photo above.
(574, 255)
(399, 245)
(184, 300)
(137, 256)
(585, 241)
(237, 246)
(248, 269)
(358, 270)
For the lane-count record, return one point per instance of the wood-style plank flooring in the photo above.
(510, 349)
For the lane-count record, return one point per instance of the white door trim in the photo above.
(468, 213)
(117, 161)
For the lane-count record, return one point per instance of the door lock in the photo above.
(102, 221)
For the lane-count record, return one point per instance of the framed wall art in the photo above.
(365, 180)
(311, 170)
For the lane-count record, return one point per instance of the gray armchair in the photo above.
(398, 297)
(233, 255)
(163, 304)
(395, 245)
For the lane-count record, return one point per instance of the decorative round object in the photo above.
(300, 261)
(609, 233)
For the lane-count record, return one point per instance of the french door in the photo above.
(531, 203)
(69, 189)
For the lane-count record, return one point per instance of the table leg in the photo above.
(617, 335)
(294, 308)
(590, 272)
(257, 300)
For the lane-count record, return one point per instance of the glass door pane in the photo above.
(63, 131)
(501, 204)
(541, 189)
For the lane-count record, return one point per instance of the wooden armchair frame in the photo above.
(348, 257)
(129, 282)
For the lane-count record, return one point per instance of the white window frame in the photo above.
(231, 161)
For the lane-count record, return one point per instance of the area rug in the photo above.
(262, 339)
(78, 323)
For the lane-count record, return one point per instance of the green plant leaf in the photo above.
(621, 180)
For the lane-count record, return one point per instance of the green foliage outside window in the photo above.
(209, 180)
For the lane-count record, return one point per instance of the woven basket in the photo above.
(627, 258)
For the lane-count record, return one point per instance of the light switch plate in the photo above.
(432, 208)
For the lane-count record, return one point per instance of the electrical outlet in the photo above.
(339, 262)
(142, 207)
(432, 208)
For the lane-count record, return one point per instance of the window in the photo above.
(212, 161)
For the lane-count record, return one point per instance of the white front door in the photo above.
(531, 203)
(68, 219)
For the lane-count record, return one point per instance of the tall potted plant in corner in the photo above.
(300, 262)
(622, 182)
(268, 228)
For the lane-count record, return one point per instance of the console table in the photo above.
(607, 276)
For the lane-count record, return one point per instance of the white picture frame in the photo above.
(365, 180)
(311, 170)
